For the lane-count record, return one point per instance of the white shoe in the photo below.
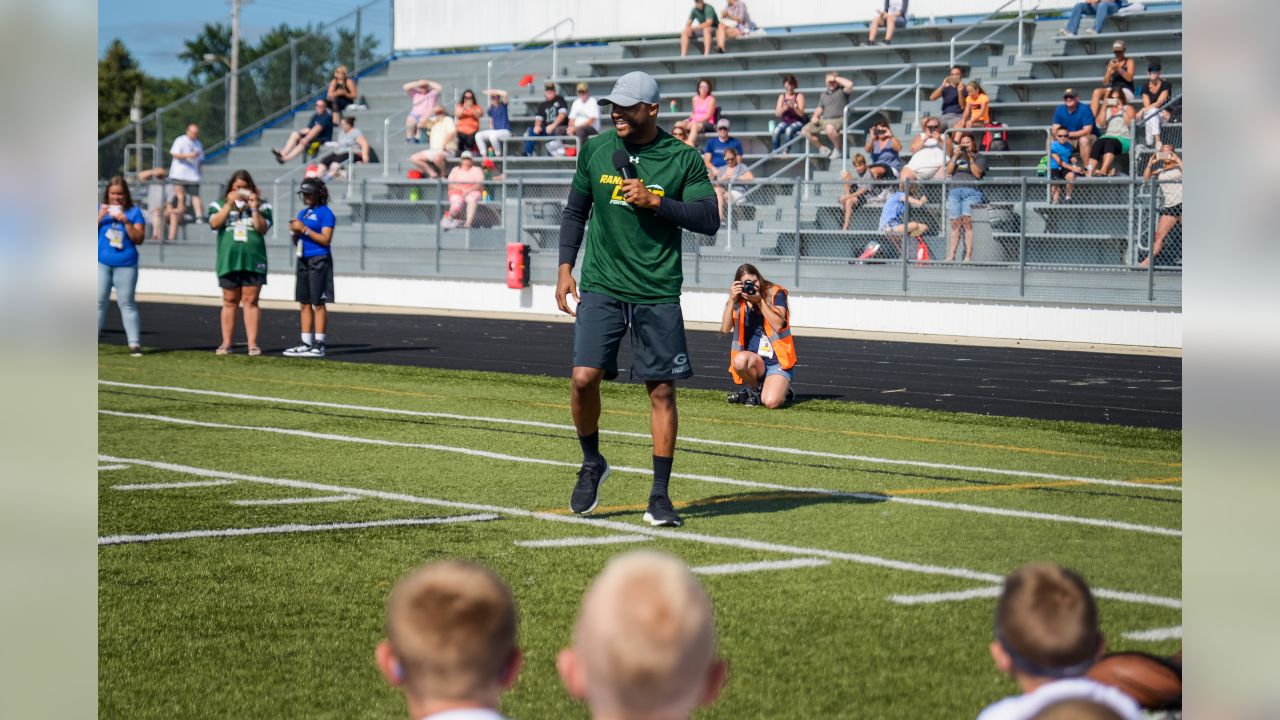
(824, 151)
(1063, 32)
(315, 351)
(1090, 31)
(302, 350)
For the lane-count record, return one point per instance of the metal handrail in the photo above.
(386, 138)
(760, 182)
(988, 16)
(555, 43)
(844, 136)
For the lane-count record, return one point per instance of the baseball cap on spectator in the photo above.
(722, 123)
(549, 85)
(633, 88)
(582, 87)
(466, 155)
(1154, 66)
(1069, 93)
(1118, 45)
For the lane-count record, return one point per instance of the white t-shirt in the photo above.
(1025, 707)
(186, 170)
(466, 714)
(895, 6)
(587, 109)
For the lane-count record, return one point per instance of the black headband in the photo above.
(1031, 668)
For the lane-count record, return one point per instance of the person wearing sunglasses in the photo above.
(1061, 166)
(928, 156)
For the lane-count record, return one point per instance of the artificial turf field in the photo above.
(886, 531)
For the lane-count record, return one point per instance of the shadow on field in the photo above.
(756, 503)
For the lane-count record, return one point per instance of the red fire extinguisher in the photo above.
(517, 265)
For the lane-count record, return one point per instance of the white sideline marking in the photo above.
(103, 468)
(297, 501)
(581, 541)
(281, 529)
(962, 507)
(171, 485)
(930, 598)
(622, 433)
(735, 568)
(664, 533)
(1172, 633)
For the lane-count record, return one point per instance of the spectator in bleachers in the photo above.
(451, 641)
(1117, 126)
(953, 94)
(425, 95)
(319, 130)
(1166, 167)
(977, 106)
(442, 141)
(736, 22)
(644, 644)
(551, 117)
(1155, 93)
(829, 115)
(466, 119)
(681, 132)
(312, 230)
(1119, 74)
(188, 157)
(893, 14)
(1078, 119)
(584, 116)
(1100, 9)
(466, 186)
(703, 117)
(928, 156)
(884, 150)
(789, 111)
(702, 19)
(499, 123)
(178, 210)
(894, 212)
(728, 180)
(351, 144)
(857, 185)
(763, 352)
(241, 218)
(1062, 166)
(341, 93)
(121, 229)
(1046, 638)
(966, 167)
(713, 153)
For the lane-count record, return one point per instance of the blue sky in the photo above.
(154, 30)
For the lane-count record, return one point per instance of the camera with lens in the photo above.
(749, 287)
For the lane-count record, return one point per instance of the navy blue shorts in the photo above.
(658, 347)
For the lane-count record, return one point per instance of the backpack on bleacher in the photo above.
(995, 140)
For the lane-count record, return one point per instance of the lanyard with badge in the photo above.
(240, 228)
(115, 232)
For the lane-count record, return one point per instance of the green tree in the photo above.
(213, 38)
(118, 77)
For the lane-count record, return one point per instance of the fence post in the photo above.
(520, 211)
(440, 206)
(364, 216)
(226, 92)
(906, 228)
(795, 280)
(293, 73)
(1151, 243)
(728, 245)
(1022, 238)
(355, 52)
(160, 138)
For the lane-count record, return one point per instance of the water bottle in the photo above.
(772, 124)
(674, 106)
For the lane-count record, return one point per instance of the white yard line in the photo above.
(297, 500)
(681, 535)
(931, 598)
(172, 485)
(582, 541)
(1171, 633)
(737, 568)
(692, 440)
(103, 468)
(285, 529)
(869, 497)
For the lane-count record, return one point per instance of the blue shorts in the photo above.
(960, 201)
(770, 370)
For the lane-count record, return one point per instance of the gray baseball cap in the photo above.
(632, 88)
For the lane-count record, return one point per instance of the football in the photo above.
(1154, 682)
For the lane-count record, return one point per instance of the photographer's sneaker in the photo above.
(739, 396)
(586, 493)
(661, 513)
(753, 397)
(303, 350)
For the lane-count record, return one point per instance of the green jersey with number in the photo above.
(633, 255)
(241, 248)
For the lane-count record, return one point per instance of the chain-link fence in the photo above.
(268, 88)
(1001, 239)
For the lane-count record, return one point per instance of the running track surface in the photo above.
(1015, 382)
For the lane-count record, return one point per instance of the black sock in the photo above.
(591, 448)
(661, 475)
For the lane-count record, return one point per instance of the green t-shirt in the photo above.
(706, 13)
(632, 254)
(241, 248)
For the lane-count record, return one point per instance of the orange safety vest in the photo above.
(784, 347)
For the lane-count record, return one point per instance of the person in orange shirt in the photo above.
(977, 106)
(466, 183)
(466, 119)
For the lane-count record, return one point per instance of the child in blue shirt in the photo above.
(312, 234)
(1060, 165)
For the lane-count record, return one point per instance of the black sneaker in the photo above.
(753, 397)
(586, 493)
(739, 396)
(661, 513)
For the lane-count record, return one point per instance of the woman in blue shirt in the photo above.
(499, 120)
(120, 231)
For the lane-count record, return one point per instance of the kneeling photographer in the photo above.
(763, 351)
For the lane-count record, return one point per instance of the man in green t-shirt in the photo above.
(703, 19)
(642, 188)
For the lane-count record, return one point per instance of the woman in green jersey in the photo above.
(241, 219)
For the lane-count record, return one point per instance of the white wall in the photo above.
(421, 24)
(1078, 324)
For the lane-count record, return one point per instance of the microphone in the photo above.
(622, 163)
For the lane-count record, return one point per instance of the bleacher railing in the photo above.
(554, 46)
(270, 87)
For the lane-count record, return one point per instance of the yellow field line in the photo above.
(720, 421)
